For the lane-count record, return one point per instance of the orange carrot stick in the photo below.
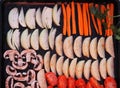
(64, 19)
(73, 17)
(68, 10)
(102, 7)
(80, 19)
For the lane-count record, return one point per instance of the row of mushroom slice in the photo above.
(75, 68)
(44, 17)
(69, 46)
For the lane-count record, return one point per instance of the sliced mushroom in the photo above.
(9, 82)
(19, 85)
(35, 84)
(11, 54)
(47, 61)
(10, 70)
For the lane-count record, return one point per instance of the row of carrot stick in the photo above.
(84, 19)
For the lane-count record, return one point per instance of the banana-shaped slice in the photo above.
(72, 67)
(16, 38)
(101, 47)
(86, 46)
(68, 47)
(78, 46)
(103, 68)
(22, 18)
(34, 39)
(79, 69)
(9, 39)
(95, 70)
(110, 46)
(87, 68)
(110, 67)
(93, 48)
(30, 18)
(39, 17)
(59, 45)
(43, 39)
(25, 39)
(13, 18)
(53, 63)
(52, 38)
(66, 68)
(59, 65)
(56, 15)
(47, 61)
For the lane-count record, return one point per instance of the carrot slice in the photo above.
(68, 10)
(80, 19)
(64, 19)
(73, 17)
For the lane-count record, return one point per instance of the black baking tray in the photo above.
(8, 4)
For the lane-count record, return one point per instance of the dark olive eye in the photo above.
(16, 59)
(24, 59)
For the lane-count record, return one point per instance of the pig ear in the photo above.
(19, 84)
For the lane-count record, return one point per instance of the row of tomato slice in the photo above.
(63, 82)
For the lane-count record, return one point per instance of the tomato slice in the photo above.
(88, 85)
(80, 83)
(110, 83)
(94, 83)
(62, 82)
(71, 82)
(50, 87)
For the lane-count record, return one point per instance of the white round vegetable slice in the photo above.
(47, 61)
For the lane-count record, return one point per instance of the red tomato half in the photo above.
(80, 83)
(71, 82)
(50, 86)
(89, 85)
(62, 82)
(94, 83)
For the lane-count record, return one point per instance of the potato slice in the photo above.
(35, 40)
(47, 61)
(22, 18)
(13, 18)
(30, 18)
(101, 47)
(43, 39)
(59, 65)
(95, 70)
(93, 48)
(110, 46)
(38, 17)
(103, 68)
(68, 47)
(53, 63)
(72, 67)
(78, 46)
(52, 38)
(59, 44)
(87, 68)
(110, 67)
(86, 46)
(66, 68)
(41, 79)
(79, 69)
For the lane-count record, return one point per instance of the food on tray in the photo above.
(56, 15)
(43, 39)
(85, 46)
(53, 63)
(72, 67)
(25, 39)
(19, 84)
(71, 82)
(10, 70)
(110, 67)
(41, 79)
(47, 61)
(101, 47)
(109, 46)
(77, 47)
(52, 34)
(9, 82)
(62, 82)
(59, 65)
(30, 18)
(34, 39)
(68, 47)
(38, 17)
(87, 68)
(79, 69)
(59, 44)
(94, 83)
(80, 83)
(13, 18)
(95, 70)
(34, 84)
(93, 48)
(65, 67)
(21, 18)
